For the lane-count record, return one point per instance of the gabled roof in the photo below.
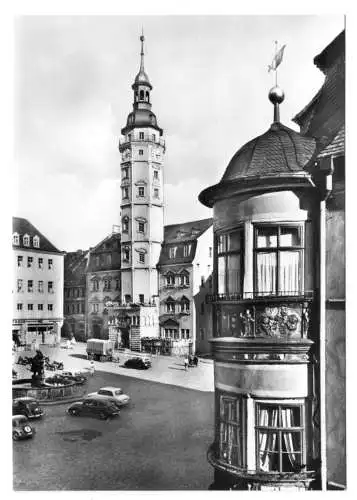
(106, 244)
(324, 116)
(186, 231)
(23, 226)
(180, 236)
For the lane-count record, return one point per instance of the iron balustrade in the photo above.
(260, 296)
(124, 141)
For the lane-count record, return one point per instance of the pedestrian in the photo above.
(91, 367)
(186, 362)
(195, 360)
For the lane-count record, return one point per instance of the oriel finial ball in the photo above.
(276, 95)
(142, 38)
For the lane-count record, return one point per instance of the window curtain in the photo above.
(289, 273)
(266, 273)
(234, 278)
(221, 275)
(291, 439)
(268, 417)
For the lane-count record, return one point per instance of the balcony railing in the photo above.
(124, 141)
(288, 295)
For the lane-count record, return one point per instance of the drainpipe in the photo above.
(323, 427)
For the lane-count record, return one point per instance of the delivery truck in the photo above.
(100, 350)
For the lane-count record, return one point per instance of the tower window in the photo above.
(278, 257)
(125, 193)
(141, 95)
(125, 173)
(141, 227)
(156, 193)
(19, 260)
(141, 191)
(230, 262)
(141, 298)
(126, 254)
(156, 174)
(141, 257)
(125, 225)
(141, 136)
(141, 152)
(147, 96)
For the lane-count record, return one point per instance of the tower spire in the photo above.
(142, 39)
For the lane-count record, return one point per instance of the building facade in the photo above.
(103, 285)
(75, 292)
(185, 265)
(270, 318)
(38, 285)
(324, 119)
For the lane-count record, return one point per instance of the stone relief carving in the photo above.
(278, 322)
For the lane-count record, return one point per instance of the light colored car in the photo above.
(21, 428)
(114, 394)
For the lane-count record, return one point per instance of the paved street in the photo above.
(166, 370)
(159, 442)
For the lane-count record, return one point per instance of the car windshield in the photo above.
(103, 392)
(118, 392)
(19, 421)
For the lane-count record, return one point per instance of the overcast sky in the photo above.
(73, 78)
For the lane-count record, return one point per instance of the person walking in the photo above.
(91, 367)
(186, 362)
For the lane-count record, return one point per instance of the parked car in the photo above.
(27, 406)
(94, 407)
(114, 394)
(76, 377)
(138, 363)
(21, 428)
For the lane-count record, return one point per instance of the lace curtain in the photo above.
(290, 445)
(288, 272)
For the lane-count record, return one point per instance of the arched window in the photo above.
(185, 305)
(26, 240)
(170, 279)
(141, 95)
(147, 96)
(36, 242)
(170, 305)
(15, 239)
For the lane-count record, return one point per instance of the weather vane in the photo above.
(278, 57)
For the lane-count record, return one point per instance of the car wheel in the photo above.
(73, 412)
(15, 436)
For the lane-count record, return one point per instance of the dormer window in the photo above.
(36, 242)
(172, 252)
(26, 240)
(15, 239)
(187, 250)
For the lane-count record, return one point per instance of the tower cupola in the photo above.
(141, 116)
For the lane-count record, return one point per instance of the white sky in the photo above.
(73, 78)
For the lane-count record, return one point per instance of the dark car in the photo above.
(138, 363)
(27, 406)
(92, 407)
(21, 428)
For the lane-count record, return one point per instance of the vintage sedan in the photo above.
(114, 394)
(21, 428)
(27, 406)
(138, 363)
(94, 407)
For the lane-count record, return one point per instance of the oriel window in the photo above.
(278, 259)
(229, 248)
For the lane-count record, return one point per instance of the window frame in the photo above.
(280, 430)
(141, 192)
(225, 254)
(300, 249)
(239, 426)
